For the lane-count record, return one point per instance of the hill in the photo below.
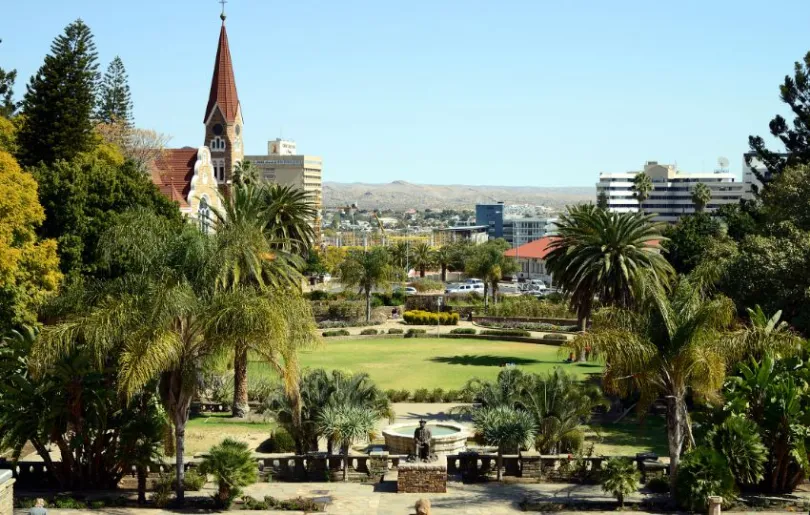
(400, 195)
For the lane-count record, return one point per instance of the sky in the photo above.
(522, 93)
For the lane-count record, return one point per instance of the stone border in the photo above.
(442, 444)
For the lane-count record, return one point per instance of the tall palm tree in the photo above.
(443, 257)
(488, 262)
(511, 430)
(366, 270)
(604, 255)
(642, 186)
(422, 257)
(291, 214)
(401, 254)
(347, 425)
(701, 196)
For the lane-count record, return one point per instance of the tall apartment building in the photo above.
(490, 215)
(520, 231)
(283, 165)
(749, 177)
(671, 197)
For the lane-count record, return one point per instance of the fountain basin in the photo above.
(446, 438)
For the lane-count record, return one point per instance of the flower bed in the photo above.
(418, 317)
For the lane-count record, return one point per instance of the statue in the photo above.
(421, 441)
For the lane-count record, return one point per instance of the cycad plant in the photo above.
(233, 467)
(738, 440)
(620, 478)
(347, 425)
(509, 429)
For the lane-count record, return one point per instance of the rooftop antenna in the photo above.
(723, 163)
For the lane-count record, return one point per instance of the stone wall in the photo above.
(6, 493)
(422, 478)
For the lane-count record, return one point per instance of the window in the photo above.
(204, 215)
(219, 169)
(217, 144)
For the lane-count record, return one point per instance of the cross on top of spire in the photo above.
(222, 16)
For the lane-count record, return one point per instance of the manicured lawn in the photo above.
(630, 436)
(209, 429)
(431, 363)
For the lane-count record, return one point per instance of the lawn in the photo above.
(630, 436)
(209, 429)
(429, 362)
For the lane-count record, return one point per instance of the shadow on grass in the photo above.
(647, 435)
(485, 361)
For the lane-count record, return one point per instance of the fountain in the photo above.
(447, 438)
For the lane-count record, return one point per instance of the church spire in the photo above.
(223, 84)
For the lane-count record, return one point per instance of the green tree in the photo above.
(347, 425)
(605, 256)
(642, 186)
(401, 254)
(509, 429)
(602, 200)
(244, 173)
(232, 465)
(60, 99)
(739, 219)
(115, 99)
(620, 478)
(422, 257)
(443, 256)
(688, 240)
(795, 92)
(784, 201)
(701, 196)
(7, 79)
(291, 215)
(366, 270)
(488, 262)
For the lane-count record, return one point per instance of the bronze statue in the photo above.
(421, 442)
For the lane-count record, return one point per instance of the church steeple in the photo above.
(223, 85)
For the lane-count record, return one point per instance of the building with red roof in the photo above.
(531, 258)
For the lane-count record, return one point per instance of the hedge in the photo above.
(368, 332)
(339, 332)
(463, 330)
(395, 330)
(505, 332)
(413, 333)
(555, 337)
(417, 317)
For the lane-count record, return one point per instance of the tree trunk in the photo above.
(485, 295)
(444, 274)
(368, 306)
(499, 463)
(346, 465)
(141, 471)
(674, 437)
(180, 446)
(422, 272)
(621, 500)
(240, 407)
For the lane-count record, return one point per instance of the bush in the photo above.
(233, 467)
(68, 503)
(703, 472)
(218, 388)
(348, 310)
(423, 285)
(396, 298)
(620, 478)
(193, 480)
(280, 441)
(571, 442)
(259, 390)
(317, 295)
(463, 330)
(526, 306)
(418, 317)
(451, 396)
(437, 395)
(421, 395)
(295, 504)
(368, 332)
(413, 333)
(376, 302)
(339, 324)
(395, 330)
(163, 491)
(338, 332)
(658, 485)
(397, 395)
(555, 337)
(505, 332)
(738, 440)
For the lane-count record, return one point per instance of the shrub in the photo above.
(419, 317)
(232, 466)
(555, 337)
(162, 492)
(421, 395)
(259, 390)
(413, 333)
(395, 330)
(437, 395)
(620, 478)
(526, 306)
(317, 295)
(505, 332)
(571, 442)
(68, 503)
(348, 310)
(338, 332)
(193, 480)
(451, 396)
(463, 330)
(251, 503)
(397, 395)
(377, 302)
(738, 440)
(218, 388)
(295, 504)
(422, 285)
(658, 485)
(703, 472)
(280, 441)
(368, 332)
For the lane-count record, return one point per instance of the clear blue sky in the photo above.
(535, 92)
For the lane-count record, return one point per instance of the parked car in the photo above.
(407, 290)
(465, 288)
(473, 280)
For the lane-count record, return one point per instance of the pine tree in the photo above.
(60, 99)
(7, 105)
(115, 101)
(795, 92)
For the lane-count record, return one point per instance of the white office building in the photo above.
(520, 231)
(671, 197)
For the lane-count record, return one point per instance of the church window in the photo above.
(218, 129)
(219, 169)
(217, 144)
(204, 215)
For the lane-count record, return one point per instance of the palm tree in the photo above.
(604, 255)
(701, 196)
(510, 429)
(291, 214)
(232, 465)
(443, 256)
(366, 270)
(620, 478)
(401, 254)
(667, 346)
(244, 173)
(765, 335)
(422, 257)
(489, 263)
(642, 186)
(346, 425)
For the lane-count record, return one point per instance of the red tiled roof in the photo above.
(173, 171)
(223, 84)
(537, 249)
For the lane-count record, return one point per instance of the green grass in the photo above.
(630, 436)
(431, 363)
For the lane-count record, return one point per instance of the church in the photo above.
(192, 177)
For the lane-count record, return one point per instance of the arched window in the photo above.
(217, 144)
(219, 169)
(204, 215)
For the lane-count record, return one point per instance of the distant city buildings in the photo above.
(519, 231)
(490, 215)
(671, 197)
(531, 259)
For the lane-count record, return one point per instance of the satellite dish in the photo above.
(723, 162)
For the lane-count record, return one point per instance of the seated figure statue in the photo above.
(421, 441)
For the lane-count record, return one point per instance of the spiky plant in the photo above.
(347, 425)
(509, 429)
(620, 478)
(232, 465)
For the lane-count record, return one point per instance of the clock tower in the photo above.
(223, 116)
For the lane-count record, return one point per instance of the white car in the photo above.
(465, 288)
(473, 280)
